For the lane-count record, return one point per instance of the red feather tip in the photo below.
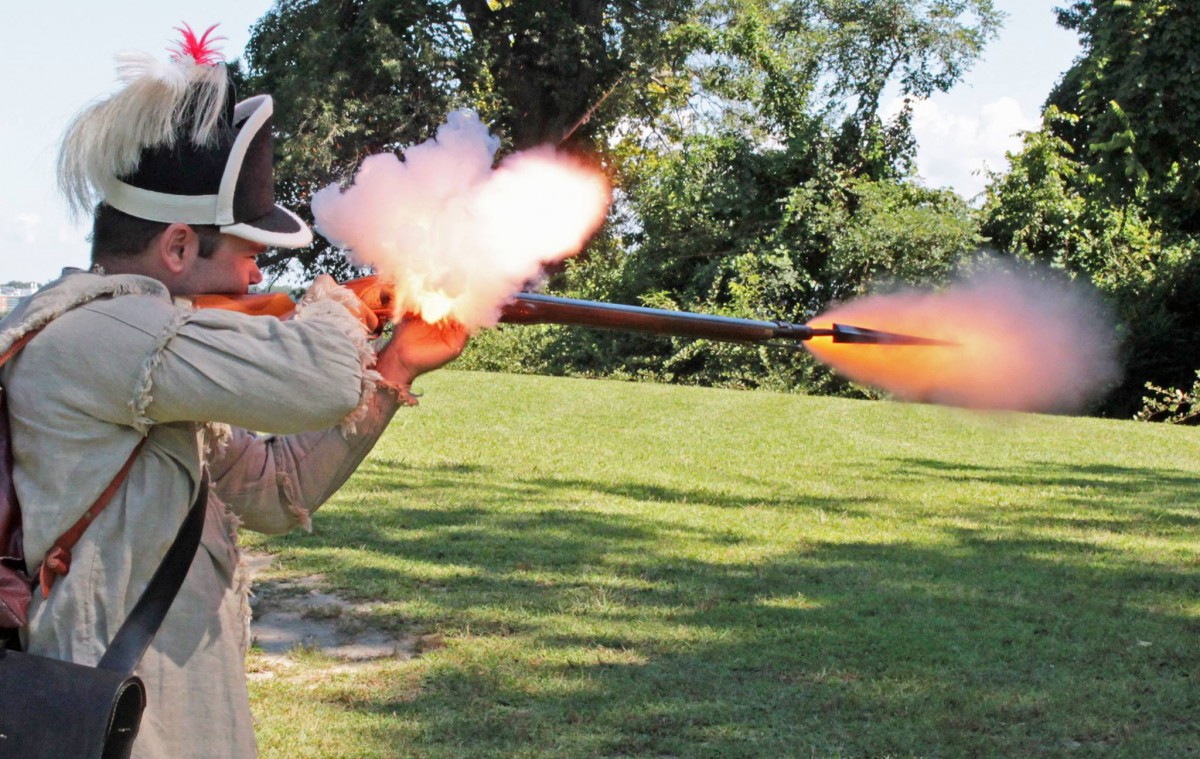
(203, 51)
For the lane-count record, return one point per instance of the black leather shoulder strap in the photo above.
(148, 614)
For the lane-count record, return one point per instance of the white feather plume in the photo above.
(160, 101)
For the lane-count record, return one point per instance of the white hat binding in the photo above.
(172, 147)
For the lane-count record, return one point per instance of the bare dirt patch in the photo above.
(298, 614)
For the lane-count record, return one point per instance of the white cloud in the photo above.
(954, 148)
(22, 228)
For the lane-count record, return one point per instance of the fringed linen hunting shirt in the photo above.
(117, 360)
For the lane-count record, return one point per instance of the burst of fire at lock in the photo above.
(534, 308)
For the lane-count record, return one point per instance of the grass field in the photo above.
(606, 569)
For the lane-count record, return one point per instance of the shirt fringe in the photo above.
(327, 299)
(143, 390)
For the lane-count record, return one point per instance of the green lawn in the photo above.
(640, 570)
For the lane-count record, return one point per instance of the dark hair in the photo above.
(116, 234)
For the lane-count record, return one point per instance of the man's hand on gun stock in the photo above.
(416, 346)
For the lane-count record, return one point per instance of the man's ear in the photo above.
(177, 247)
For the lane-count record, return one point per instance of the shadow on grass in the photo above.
(593, 634)
(396, 477)
(1127, 498)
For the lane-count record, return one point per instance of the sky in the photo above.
(973, 125)
(50, 76)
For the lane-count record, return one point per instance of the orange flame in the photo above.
(1023, 345)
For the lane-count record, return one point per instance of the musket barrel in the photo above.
(532, 308)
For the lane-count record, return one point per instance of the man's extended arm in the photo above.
(274, 483)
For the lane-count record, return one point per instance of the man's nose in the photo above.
(255, 274)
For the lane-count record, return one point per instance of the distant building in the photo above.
(10, 296)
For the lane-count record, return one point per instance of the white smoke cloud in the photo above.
(456, 236)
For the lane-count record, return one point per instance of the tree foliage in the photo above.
(1109, 187)
(773, 188)
(352, 78)
(755, 175)
(1174, 405)
(1136, 91)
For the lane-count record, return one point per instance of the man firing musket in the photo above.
(121, 384)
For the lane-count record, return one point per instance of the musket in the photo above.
(534, 308)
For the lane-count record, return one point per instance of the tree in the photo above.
(1136, 92)
(352, 78)
(744, 138)
(923, 47)
(356, 77)
(1109, 187)
(552, 66)
(349, 79)
(776, 187)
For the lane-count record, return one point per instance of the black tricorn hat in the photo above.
(173, 147)
(229, 183)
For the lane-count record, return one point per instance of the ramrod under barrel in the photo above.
(533, 308)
